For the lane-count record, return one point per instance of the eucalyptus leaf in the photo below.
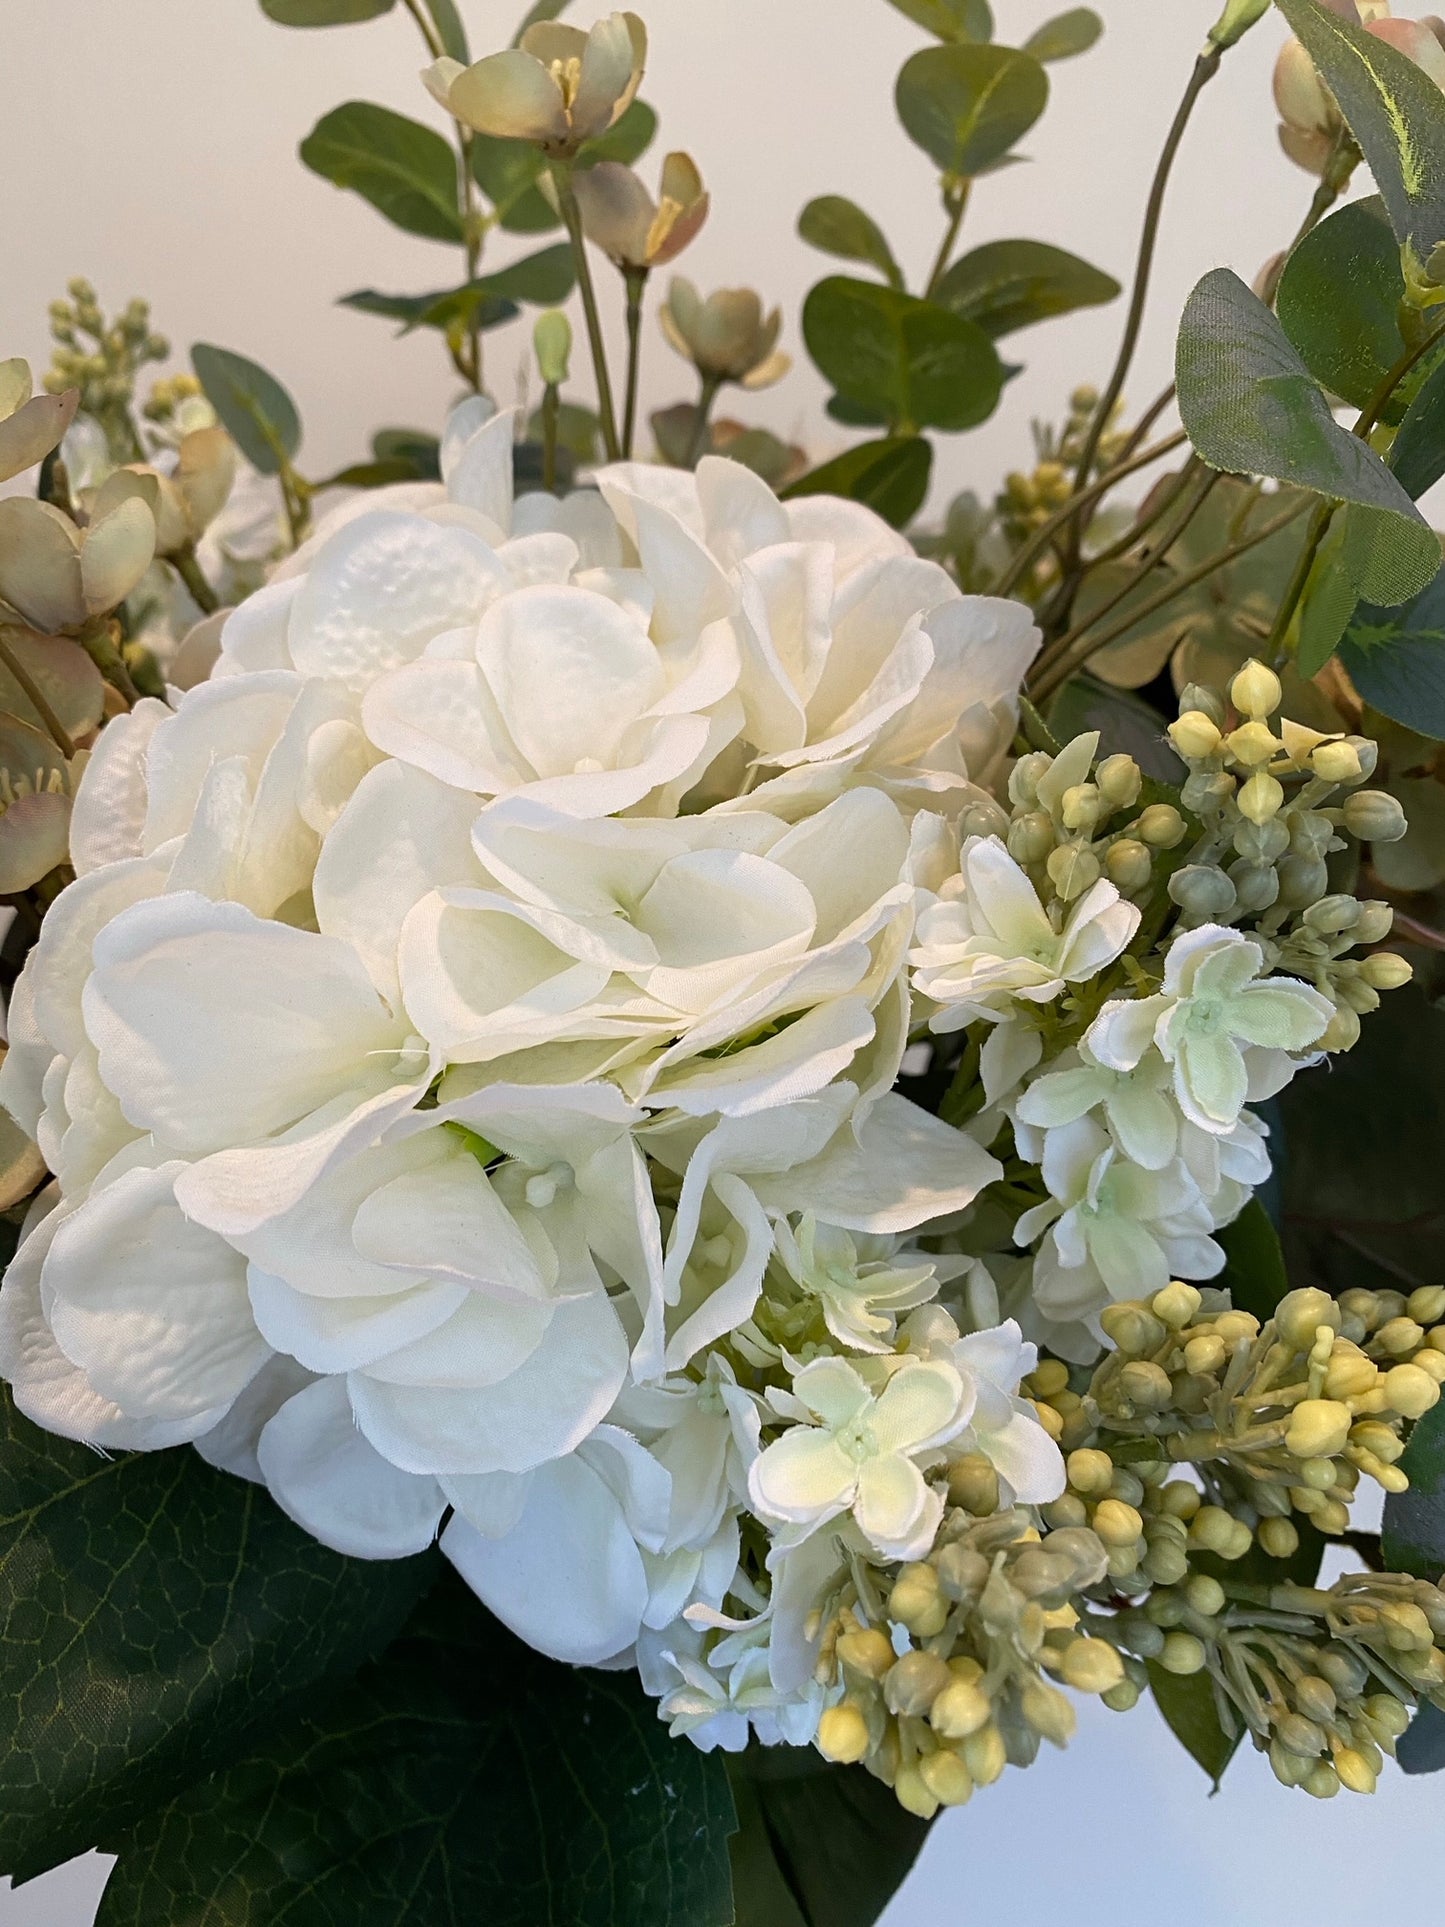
(414, 445)
(1252, 407)
(966, 105)
(1187, 1703)
(1395, 111)
(544, 279)
(447, 309)
(1418, 453)
(1412, 1534)
(818, 1845)
(854, 414)
(1005, 285)
(1396, 659)
(254, 408)
(538, 11)
(1065, 35)
(921, 365)
(507, 172)
(888, 476)
(626, 140)
(155, 1615)
(839, 226)
(1421, 1747)
(450, 31)
(461, 1778)
(1339, 300)
(324, 13)
(62, 672)
(1126, 725)
(950, 19)
(406, 171)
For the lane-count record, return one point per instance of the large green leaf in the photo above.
(1126, 724)
(1395, 111)
(1252, 407)
(154, 1614)
(1065, 35)
(1339, 300)
(324, 13)
(817, 1845)
(1396, 659)
(462, 1779)
(888, 476)
(918, 364)
(1187, 1703)
(254, 408)
(965, 105)
(1412, 1534)
(950, 19)
(1421, 1747)
(1005, 285)
(1418, 454)
(406, 171)
(839, 226)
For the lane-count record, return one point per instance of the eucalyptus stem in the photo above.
(955, 202)
(32, 689)
(636, 282)
(470, 367)
(707, 395)
(572, 219)
(189, 570)
(1299, 579)
(1148, 518)
(1343, 160)
(1205, 68)
(551, 414)
(1064, 665)
(426, 28)
(1046, 531)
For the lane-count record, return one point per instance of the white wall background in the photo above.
(150, 144)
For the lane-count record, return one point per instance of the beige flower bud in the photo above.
(1261, 797)
(946, 1778)
(1409, 1391)
(914, 1682)
(1072, 870)
(1120, 780)
(1161, 826)
(1031, 837)
(1128, 865)
(1374, 816)
(1337, 762)
(1318, 1428)
(843, 1734)
(961, 1709)
(1256, 691)
(1386, 971)
(633, 230)
(726, 337)
(1091, 1666)
(1279, 1537)
(1252, 743)
(1299, 1315)
(558, 88)
(552, 345)
(1182, 1653)
(1194, 735)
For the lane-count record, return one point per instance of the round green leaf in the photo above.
(839, 226)
(406, 171)
(1418, 454)
(1065, 35)
(1338, 300)
(1005, 285)
(890, 477)
(323, 13)
(1396, 659)
(966, 105)
(950, 19)
(254, 408)
(626, 140)
(921, 365)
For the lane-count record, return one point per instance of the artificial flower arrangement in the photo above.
(648, 1124)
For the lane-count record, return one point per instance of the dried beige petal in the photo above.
(40, 563)
(28, 435)
(116, 553)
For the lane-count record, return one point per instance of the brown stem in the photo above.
(33, 691)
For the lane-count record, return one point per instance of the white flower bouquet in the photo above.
(648, 1125)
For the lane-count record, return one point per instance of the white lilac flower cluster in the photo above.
(466, 1059)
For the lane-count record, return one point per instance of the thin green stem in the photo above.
(636, 279)
(955, 202)
(1045, 533)
(1205, 68)
(707, 395)
(1344, 158)
(426, 28)
(469, 366)
(1080, 646)
(36, 694)
(1283, 616)
(572, 220)
(189, 570)
(1147, 519)
(551, 414)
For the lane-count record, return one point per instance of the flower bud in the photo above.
(1368, 751)
(914, 1682)
(843, 1734)
(1132, 1329)
(1026, 775)
(947, 1778)
(1178, 1304)
(868, 1651)
(1386, 1714)
(916, 1601)
(1374, 816)
(1161, 826)
(1302, 880)
(1165, 1563)
(961, 1709)
(1261, 797)
(1031, 837)
(1091, 1666)
(1337, 762)
(1119, 780)
(1252, 743)
(1427, 1304)
(1081, 807)
(985, 1755)
(1256, 885)
(1279, 1537)
(1299, 1315)
(1182, 1653)
(962, 1573)
(1318, 1428)
(1048, 1712)
(1128, 865)
(552, 344)
(1333, 915)
(1072, 869)
(1349, 1373)
(1261, 842)
(1205, 1355)
(1256, 691)
(1212, 1529)
(1089, 1470)
(1207, 792)
(911, 1792)
(1409, 1391)
(973, 1484)
(1205, 1594)
(1144, 1385)
(1300, 1735)
(1386, 971)
(1195, 736)
(1354, 1770)
(1342, 1032)
(1321, 1782)
(1118, 1524)
(1203, 893)
(1398, 1337)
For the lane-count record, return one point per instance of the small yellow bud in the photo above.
(1386, 1714)
(1195, 736)
(1381, 1441)
(1161, 826)
(1318, 1428)
(1398, 1337)
(867, 1651)
(1072, 869)
(1031, 837)
(1119, 780)
(1231, 1326)
(1374, 816)
(1117, 1524)
(1052, 1421)
(1279, 1537)
(1337, 762)
(1081, 807)
(910, 1789)
(1179, 1499)
(1256, 691)
(1385, 971)
(1205, 1594)
(1315, 1698)
(1128, 864)
(1321, 1782)
(1299, 1315)
(1069, 1510)
(1091, 1666)
(1124, 1697)
(1178, 1305)
(1212, 1530)
(973, 1484)
(1132, 1329)
(914, 1682)
(1409, 1391)
(960, 1709)
(1048, 1712)
(1261, 797)
(984, 1755)
(1205, 1355)
(917, 1603)
(1182, 1653)
(1145, 1385)
(1349, 1373)
(946, 1778)
(1252, 743)
(843, 1734)
(1354, 1770)
(1089, 1470)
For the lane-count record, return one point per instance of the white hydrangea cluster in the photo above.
(466, 1058)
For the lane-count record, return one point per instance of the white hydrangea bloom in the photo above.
(1214, 1012)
